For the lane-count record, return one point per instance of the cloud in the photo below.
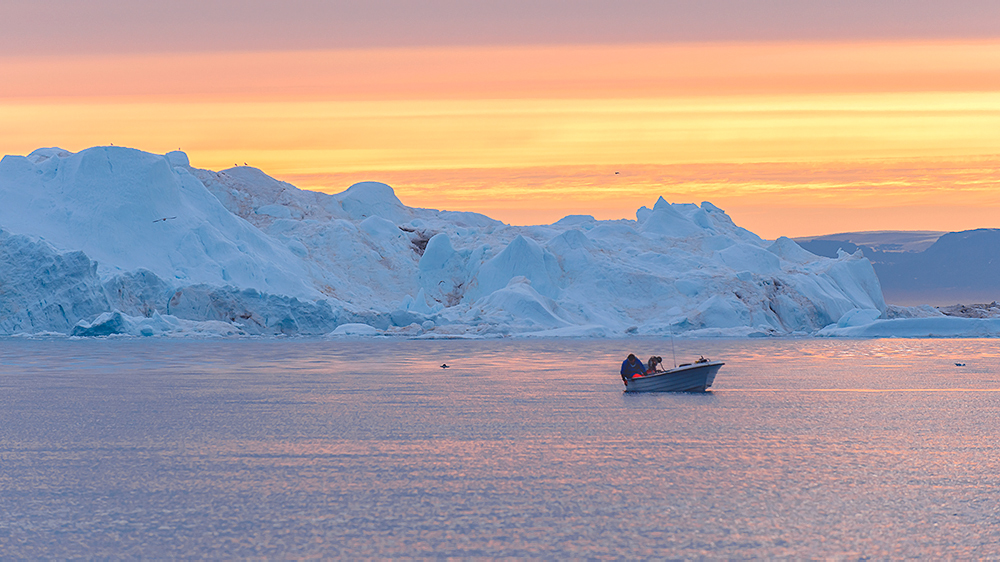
(513, 72)
(770, 198)
(126, 26)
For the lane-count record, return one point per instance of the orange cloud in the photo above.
(497, 126)
(587, 72)
(314, 137)
(771, 199)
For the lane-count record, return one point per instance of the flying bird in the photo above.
(165, 219)
(444, 365)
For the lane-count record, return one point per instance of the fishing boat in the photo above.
(688, 377)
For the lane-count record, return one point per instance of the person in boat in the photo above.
(632, 367)
(654, 365)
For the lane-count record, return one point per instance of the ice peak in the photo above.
(368, 198)
(42, 154)
(178, 158)
(574, 220)
(522, 256)
(789, 250)
(371, 192)
(667, 221)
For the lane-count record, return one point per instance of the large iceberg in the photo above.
(114, 240)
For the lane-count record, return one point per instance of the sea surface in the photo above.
(297, 448)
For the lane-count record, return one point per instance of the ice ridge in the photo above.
(113, 240)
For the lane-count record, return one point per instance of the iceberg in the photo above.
(114, 240)
(944, 327)
(115, 323)
(130, 210)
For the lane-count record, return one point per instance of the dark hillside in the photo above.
(959, 267)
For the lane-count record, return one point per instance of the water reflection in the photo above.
(298, 448)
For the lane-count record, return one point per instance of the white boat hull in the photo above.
(696, 377)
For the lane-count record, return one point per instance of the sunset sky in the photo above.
(796, 117)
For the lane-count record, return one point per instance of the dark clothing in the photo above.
(631, 369)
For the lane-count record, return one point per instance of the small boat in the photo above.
(689, 377)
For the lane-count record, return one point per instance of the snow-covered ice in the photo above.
(115, 240)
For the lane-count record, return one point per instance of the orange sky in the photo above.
(790, 138)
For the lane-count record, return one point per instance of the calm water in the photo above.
(299, 448)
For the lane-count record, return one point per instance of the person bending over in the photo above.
(654, 365)
(631, 368)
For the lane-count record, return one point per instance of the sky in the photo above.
(797, 117)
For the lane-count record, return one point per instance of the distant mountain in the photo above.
(882, 240)
(925, 267)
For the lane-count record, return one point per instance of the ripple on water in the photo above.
(294, 448)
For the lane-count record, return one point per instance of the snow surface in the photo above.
(114, 240)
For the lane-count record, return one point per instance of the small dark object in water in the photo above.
(444, 365)
(959, 364)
